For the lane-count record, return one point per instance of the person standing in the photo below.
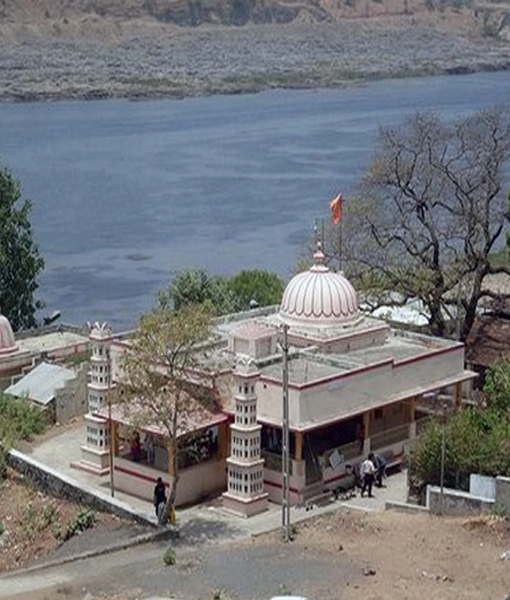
(367, 473)
(160, 500)
(380, 469)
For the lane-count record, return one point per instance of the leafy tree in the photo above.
(477, 439)
(20, 262)
(223, 295)
(156, 388)
(263, 287)
(428, 214)
(197, 286)
(19, 420)
(497, 387)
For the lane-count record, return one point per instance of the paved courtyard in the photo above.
(59, 451)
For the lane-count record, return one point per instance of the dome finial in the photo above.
(318, 257)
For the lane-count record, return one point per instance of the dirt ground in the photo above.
(345, 554)
(353, 555)
(417, 556)
(31, 522)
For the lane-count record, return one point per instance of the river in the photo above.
(125, 194)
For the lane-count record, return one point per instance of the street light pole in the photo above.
(111, 441)
(110, 444)
(285, 439)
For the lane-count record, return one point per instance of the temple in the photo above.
(355, 385)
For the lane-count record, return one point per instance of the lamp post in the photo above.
(285, 439)
(110, 426)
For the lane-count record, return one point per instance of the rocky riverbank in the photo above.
(168, 61)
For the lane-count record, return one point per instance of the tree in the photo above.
(155, 387)
(197, 286)
(262, 287)
(223, 295)
(19, 420)
(497, 387)
(477, 439)
(20, 262)
(428, 214)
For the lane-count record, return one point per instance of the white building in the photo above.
(355, 386)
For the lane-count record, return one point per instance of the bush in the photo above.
(169, 557)
(84, 519)
(19, 420)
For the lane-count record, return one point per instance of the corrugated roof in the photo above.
(41, 383)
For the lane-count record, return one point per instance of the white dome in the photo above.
(319, 297)
(7, 341)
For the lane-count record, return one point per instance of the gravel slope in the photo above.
(159, 61)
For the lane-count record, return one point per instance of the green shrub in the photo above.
(2, 528)
(19, 420)
(169, 557)
(84, 519)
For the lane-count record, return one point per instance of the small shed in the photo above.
(40, 386)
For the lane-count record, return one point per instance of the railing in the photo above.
(272, 461)
(346, 451)
(389, 437)
(422, 424)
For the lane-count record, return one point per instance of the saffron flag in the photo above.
(336, 209)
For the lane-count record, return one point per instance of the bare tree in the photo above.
(159, 377)
(429, 213)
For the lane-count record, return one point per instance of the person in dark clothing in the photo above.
(380, 469)
(160, 500)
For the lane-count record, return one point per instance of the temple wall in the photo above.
(195, 483)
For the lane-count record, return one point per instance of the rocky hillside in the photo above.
(54, 49)
(197, 12)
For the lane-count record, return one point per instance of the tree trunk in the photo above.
(173, 476)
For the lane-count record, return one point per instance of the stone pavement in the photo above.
(199, 524)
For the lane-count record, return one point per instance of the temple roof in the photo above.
(319, 297)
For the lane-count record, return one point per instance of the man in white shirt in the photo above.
(367, 473)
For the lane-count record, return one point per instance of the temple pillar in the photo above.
(115, 438)
(223, 435)
(412, 417)
(458, 394)
(366, 430)
(298, 446)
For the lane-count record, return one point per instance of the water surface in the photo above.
(127, 193)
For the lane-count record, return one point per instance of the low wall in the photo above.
(503, 493)
(456, 502)
(486, 495)
(405, 507)
(62, 486)
(195, 483)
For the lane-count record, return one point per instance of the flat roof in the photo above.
(50, 342)
(310, 366)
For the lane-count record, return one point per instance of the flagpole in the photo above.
(340, 246)
(336, 217)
